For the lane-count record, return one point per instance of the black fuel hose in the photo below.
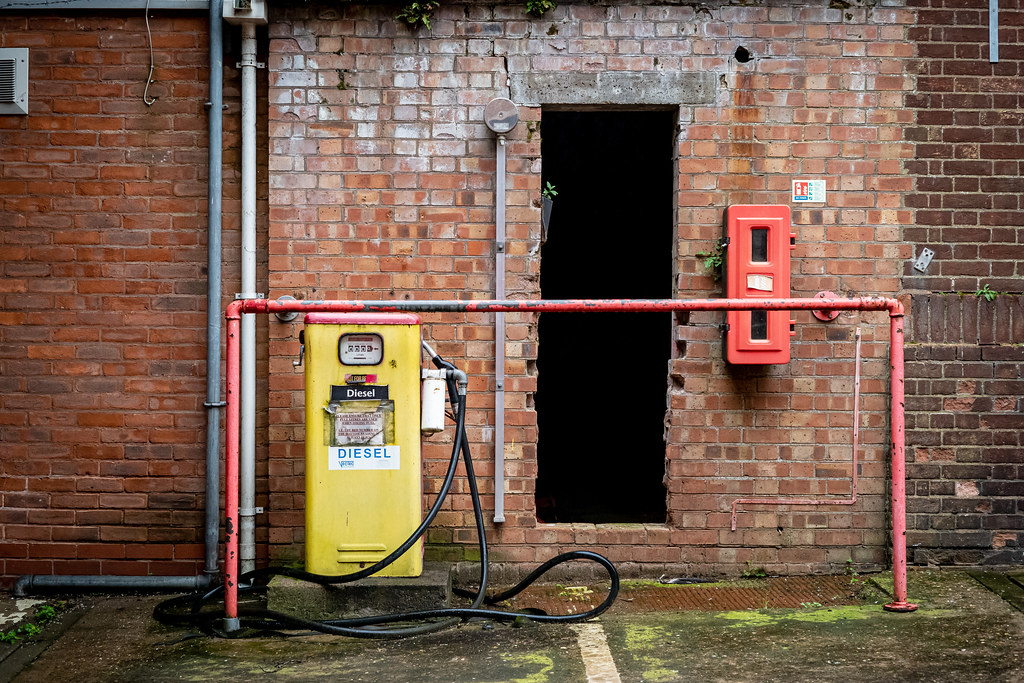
(200, 610)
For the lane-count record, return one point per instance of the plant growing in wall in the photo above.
(714, 259)
(987, 293)
(417, 14)
(537, 8)
(547, 195)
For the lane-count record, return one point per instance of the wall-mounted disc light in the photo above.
(501, 115)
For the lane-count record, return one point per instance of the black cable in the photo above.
(204, 614)
(246, 581)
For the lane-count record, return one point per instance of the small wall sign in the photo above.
(809, 191)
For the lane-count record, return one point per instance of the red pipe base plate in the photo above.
(900, 607)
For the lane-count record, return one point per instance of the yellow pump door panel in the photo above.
(363, 482)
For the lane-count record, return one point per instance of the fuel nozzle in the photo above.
(434, 358)
(452, 372)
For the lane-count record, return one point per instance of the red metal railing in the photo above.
(892, 306)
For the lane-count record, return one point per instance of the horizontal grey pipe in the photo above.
(30, 583)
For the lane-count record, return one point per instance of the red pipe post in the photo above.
(234, 320)
(899, 483)
(893, 306)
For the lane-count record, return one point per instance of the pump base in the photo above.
(375, 595)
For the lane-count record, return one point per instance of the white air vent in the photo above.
(13, 80)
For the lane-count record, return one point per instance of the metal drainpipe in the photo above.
(499, 337)
(26, 585)
(247, 384)
(214, 320)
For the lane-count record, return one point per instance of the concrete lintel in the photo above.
(613, 87)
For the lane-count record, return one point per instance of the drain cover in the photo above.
(766, 593)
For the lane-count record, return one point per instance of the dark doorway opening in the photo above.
(602, 378)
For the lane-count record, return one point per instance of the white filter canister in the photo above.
(432, 403)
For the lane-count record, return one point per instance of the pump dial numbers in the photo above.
(360, 349)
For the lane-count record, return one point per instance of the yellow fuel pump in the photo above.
(363, 493)
(363, 482)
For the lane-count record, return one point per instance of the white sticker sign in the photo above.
(364, 458)
(809, 191)
(761, 283)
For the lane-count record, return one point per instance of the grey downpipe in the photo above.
(499, 334)
(214, 318)
(247, 349)
(26, 584)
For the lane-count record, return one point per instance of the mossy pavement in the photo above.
(961, 632)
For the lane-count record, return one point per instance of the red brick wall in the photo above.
(382, 186)
(102, 296)
(380, 181)
(966, 388)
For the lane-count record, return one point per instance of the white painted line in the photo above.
(597, 658)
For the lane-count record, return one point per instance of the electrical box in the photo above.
(757, 264)
(245, 11)
(363, 479)
(13, 80)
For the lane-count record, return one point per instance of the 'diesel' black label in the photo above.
(359, 392)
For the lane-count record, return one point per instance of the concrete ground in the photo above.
(963, 631)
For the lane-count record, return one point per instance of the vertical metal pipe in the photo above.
(247, 451)
(856, 419)
(213, 288)
(899, 484)
(231, 473)
(499, 336)
(993, 31)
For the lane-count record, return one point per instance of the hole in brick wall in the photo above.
(742, 55)
(602, 378)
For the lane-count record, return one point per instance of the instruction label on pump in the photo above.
(359, 428)
(364, 458)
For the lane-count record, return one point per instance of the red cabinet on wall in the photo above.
(757, 267)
